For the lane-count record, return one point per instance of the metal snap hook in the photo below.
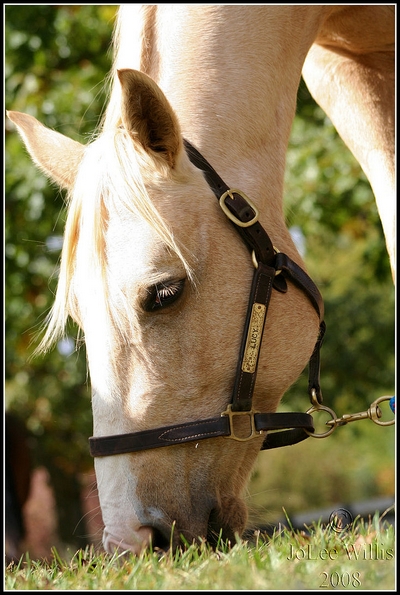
(373, 413)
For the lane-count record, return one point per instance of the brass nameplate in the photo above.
(254, 337)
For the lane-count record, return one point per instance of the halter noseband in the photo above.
(272, 269)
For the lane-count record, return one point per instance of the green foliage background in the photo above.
(56, 61)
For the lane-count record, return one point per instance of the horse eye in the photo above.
(164, 294)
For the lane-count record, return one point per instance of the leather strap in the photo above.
(304, 282)
(258, 240)
(193, 431)
(301, 424)
(284, 438)
(164, 436)
(257, 310)
(255, 235)
(314, 366)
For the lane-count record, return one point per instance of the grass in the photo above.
(359, 557)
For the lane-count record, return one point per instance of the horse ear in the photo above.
(148, 116)
(55, 154)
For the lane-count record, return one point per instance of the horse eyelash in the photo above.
(164, 294)
(165, 291)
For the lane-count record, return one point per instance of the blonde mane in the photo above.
(132, 44)
(114, 173)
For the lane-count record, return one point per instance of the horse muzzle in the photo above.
(161, 536)
(138, 541)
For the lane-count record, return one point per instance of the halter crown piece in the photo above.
(272, 270)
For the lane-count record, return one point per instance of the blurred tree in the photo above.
(329, 201)
(56, 61)
(54, 69)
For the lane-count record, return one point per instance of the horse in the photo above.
(202, 99)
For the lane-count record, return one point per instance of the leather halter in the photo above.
(272, 270)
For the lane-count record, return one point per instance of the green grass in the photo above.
(360, 557)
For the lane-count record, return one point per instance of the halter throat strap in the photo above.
(272, 270)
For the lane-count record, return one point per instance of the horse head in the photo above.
(158, 282)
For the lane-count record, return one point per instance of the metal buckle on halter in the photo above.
(230, 215)
(231, 414)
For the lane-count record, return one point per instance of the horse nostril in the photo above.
(218, 529)
(160, 540)
(214, 528)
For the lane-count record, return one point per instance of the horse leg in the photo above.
(352, 79)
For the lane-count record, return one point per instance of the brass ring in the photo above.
(377, 409)
(331, 413)
(255, 261)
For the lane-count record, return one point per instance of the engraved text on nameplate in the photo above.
(254, 337)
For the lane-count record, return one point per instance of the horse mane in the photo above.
(132, 46)
(113, 174)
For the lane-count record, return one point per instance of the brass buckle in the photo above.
(231, 414)
(230, 215)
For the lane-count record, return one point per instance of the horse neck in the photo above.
(234, 92)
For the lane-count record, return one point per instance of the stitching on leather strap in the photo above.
(187, 436)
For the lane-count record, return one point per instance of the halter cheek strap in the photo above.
(272, 271)
(272, 268)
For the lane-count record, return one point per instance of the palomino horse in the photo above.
(156, 275)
